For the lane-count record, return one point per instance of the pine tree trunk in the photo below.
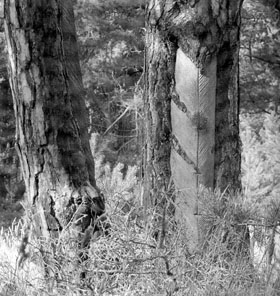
(51, 118)
(159, 84)
(9, 162)
(192, 102)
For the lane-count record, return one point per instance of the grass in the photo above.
(129, 261)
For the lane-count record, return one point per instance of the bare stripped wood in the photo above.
(195, 134)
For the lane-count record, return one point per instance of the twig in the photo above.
(119, 118)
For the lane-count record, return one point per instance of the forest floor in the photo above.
(10, 211)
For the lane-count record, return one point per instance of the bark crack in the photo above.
(181, 106)
(37, 174)
(53, 214)
(179, 149)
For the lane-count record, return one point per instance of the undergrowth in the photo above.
(130, 261)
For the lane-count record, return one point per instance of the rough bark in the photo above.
(159, 84)
(51, 118)
(192, 101)
(10, 176)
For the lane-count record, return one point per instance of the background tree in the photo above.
(259, 57)
(51, 121)
(111, 44)
(192, 102)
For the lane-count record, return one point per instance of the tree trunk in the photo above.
(9, 163)
(51, 118)
(192, 102)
